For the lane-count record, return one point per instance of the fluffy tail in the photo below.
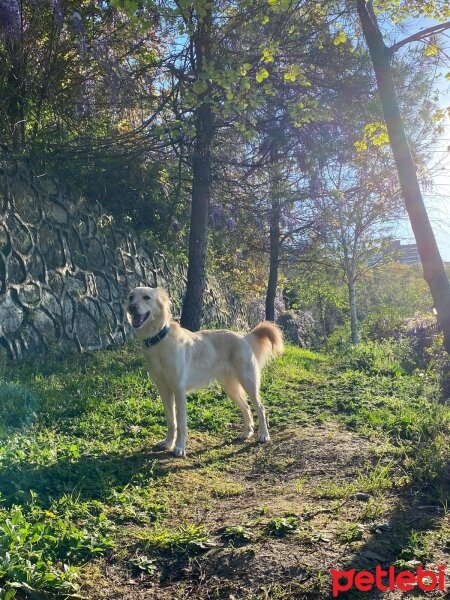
(266, 340)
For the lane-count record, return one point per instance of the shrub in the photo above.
(391, 358)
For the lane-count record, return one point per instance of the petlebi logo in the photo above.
(388, 580)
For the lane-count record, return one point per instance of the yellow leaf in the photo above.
(431, 50)
(261, 75)
(341, 38)
(267, 55)
(360, 146)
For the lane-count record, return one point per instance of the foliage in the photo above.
(39, 547)
(280, 526)
(389, 297)
(376, 358)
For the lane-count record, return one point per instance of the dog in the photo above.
(180, 361)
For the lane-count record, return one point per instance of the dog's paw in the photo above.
(179, 452)
(245, 435)
(263, 438)
(164, 445)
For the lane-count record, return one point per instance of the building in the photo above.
(405, 253)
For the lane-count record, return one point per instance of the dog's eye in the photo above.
(146, 297)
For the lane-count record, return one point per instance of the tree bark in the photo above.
(274, 233)
(353, 311)
(433, 267)
(192, 312)
(274, 240)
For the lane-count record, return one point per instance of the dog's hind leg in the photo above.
(249, 378)
(168, 400)
(234, 389)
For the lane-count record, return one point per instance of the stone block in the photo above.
(11, 316)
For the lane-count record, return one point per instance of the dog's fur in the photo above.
(184, 361)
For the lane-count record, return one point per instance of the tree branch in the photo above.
(420, 36)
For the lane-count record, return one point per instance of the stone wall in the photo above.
(66, 269)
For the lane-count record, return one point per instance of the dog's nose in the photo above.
(132, 307)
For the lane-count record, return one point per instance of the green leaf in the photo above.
(267, 55)
(261, 75)
(199, 87)
(265, 20)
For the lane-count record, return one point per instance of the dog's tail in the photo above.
(266, 341)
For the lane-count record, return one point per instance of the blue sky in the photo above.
(437, 199)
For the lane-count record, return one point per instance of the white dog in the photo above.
(179, 361)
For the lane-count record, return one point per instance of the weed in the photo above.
(371, 511)
(39, 549)
(237, 533)
(299, 484)
(280, 526)
(349, 532)
(190, 537)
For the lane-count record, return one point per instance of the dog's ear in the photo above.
(162, 297)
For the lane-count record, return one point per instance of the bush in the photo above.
(391, 357)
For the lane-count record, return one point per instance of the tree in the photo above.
(432, 264)
(357, 201)
(201, 44)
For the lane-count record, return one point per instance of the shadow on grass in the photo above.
(417, 512)
(95, 477)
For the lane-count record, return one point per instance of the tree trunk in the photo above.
(274, 235)
(192, 312)
(274, 260)
(353, 312)
(433, 267)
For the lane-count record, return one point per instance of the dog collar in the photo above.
(149, 342)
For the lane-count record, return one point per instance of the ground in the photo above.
(356, 475)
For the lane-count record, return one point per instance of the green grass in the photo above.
(79, 478)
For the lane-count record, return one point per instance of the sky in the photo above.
(437, 199)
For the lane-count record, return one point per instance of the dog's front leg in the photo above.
(181, 413)
(168, 400)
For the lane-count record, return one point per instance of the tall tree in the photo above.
(201, 168)
(381, 54)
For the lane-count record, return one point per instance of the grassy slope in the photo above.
(88, 507)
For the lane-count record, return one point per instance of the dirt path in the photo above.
(325, 482)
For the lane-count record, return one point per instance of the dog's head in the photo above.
(146, 306)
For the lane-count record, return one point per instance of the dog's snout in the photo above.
(132, 307)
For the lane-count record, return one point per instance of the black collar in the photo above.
(149, 342)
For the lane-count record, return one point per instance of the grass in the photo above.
(81, 487)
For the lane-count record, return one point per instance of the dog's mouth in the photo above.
(138, 320)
